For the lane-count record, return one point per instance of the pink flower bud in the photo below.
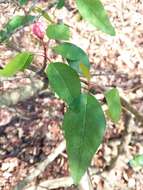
(38, 30)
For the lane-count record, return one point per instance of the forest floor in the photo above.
(30, 130)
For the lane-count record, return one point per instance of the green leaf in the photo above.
(18, 63)
(114, 104)
(137, 161)
(94, 12)
(43, 13)
(58, 32)
(64, 81)
(23, 2)
(84, 126)
(74, 55)
(69, 51)
(14, 24)
(60, 4)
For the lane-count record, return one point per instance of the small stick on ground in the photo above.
(41, 166)
(53, 184)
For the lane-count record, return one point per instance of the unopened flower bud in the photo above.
(38, 30)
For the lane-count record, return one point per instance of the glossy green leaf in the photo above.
(14, 24)
(23, 2)
(114, 104)
(64, 81)
(84, 126)
(58, 32)
(74, 55)
(60, 4)
(94, 12)
(43, 13)
(18, 63)
(137, 161)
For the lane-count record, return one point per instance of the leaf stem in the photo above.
(46, 58)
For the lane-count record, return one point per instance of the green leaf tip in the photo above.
(93, 11)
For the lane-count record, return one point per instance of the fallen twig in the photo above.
(53, 184)
(85, 183)
(121, 147)
(131, 109)
(41, 166)
(65, 182)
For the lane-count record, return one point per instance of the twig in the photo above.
(131, 109)
(54, 184)
(41, 166)
(121, 147)
(65, 182)
(85, 183)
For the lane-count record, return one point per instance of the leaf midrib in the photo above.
(83, 134)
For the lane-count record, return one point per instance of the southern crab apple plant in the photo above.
(84, 122)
